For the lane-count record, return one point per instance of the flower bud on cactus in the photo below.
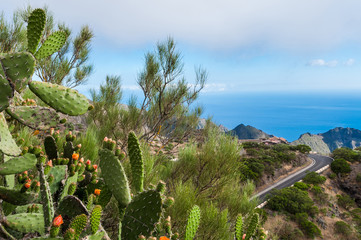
(51, 131)
(69, 137)
(168, 202)
(141, 237)
(42, 159)
(20, 141)
(48, 167)
(75, 156)
(175, 236)
(118, 151)
(69, 234)
(50, 178)
(97, 192)
(25, 150)
(161, 187)
(81, 177)
(91, 107)
(72, 167)
(25, 187)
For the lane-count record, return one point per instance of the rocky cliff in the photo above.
(335, 138)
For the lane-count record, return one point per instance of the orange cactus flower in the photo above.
(36, 132)
(97, 192)
(75, 156)
(58, 221)
(27, 185)
(88, 162)
(50, 163)
(163, 238)
(95, 166)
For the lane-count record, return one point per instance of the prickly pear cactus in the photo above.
(26, 222)
(18, 164)
(193, 223)
(114, 177)
(18, 68)
(50, 148)
(95, 218)
(142, 214)
(17, 197)
(136, 162)
(78, 224)
(35, 117)
(36, 24)
(63, 99)
(6, 91)
(7, 143)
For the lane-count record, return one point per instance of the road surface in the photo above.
(318, 162)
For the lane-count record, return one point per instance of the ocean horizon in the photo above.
(283, 114)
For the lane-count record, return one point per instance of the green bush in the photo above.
(291, 200)
(301, 185)
(345, 201)
(303, 148)
(332, 175)
(308, 227)
(340, 165)
(288, 232)
(346, 153)
(314, 178)
(342, 228)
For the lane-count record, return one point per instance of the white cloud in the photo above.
(350, 62)
(323, 63)
(214, 87)
(213, 24)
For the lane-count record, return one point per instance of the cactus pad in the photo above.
(95, 218)
(36, 24)
(104, 197)
(59, 173)
(136, 162)
(18, 68)
(252, 226)
(6, 91)
(26, 222)
(69, 181)
(51, 45)
(97, 236)
(16, 197)
(239, 227)
(51, 148)
(193, 223)
(70, 207)
(141, 215)
(7, 143)
(68, 150)
(46, 198)
(63, 99)
(35, 117)
(114, 177)
(78, 224)
(24, 208)
(18, 164)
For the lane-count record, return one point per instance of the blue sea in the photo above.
(285, 115)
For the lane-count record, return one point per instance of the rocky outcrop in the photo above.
(248, 132)
(325, 143)
(315, 142)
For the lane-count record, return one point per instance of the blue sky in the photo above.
(246, 45)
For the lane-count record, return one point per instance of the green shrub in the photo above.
(345, 201)
(342, 228)
(308, 227)
(288, 232)
(340, 165)
(332, 175)
(347, 154)
(314, 178)
(303, 148)
(301, 185)
(291, 199)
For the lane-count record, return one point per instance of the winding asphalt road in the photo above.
(318, 162)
